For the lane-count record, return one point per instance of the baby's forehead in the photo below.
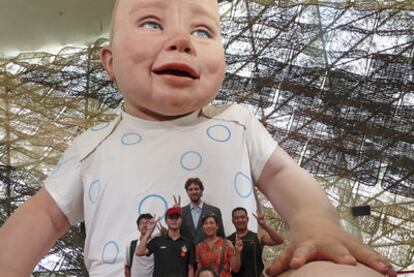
(197, 7)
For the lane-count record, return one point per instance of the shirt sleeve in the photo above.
(64, 185)
(151, 246)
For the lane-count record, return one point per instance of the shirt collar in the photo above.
(186, 120)
(192, 206)
(167, 236)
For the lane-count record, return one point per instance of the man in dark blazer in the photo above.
(194, 212)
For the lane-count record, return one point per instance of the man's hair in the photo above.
(238, 209)
(196, 181)
(144, 216)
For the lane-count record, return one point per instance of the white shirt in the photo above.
(114, 172)
(196, 212)
(142, 266)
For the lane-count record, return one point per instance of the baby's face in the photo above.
(165, 56)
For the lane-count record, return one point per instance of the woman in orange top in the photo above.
(215, 252)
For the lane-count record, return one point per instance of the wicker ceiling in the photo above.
(332, 82)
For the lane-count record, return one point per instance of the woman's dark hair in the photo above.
(204, 218)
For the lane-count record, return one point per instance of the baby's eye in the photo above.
(151, 25)
(202, 33)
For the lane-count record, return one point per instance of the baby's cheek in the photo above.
(216, 65)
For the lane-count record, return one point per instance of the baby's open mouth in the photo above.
(179, 70)
(175, 72)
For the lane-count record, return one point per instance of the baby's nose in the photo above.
(182, 43)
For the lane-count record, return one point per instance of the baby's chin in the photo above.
(164, 116)
(167, 107)
(174, 115)
(183, 108)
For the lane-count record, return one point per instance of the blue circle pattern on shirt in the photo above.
(100, 126)
(94, 191)
(110, 252)
(151, 212)
(131, 138)
(240, 186)
(219, 133)
(191, 160)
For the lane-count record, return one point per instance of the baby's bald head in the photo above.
(111, 29)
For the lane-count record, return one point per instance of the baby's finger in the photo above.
(280, 263)
(305, 252)
(371, 258)
(334, 251)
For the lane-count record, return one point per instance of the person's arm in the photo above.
(315, 232)
(271, 237)
(127, 271)
(142, 249)
(235, 261)
(29, 233)
(192, 258)
(198, 268)
(191, 271)
(127, 266)
(198, 258)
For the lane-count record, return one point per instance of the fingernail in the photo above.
(349, 259)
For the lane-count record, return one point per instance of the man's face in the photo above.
(143, 226)
(165, 56)
(173, 222)
(240, 220)
(194, 193)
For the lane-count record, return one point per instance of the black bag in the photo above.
(132, 247)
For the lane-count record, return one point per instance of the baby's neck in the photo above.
(150, 115)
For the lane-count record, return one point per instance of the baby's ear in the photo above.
(105, 56)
